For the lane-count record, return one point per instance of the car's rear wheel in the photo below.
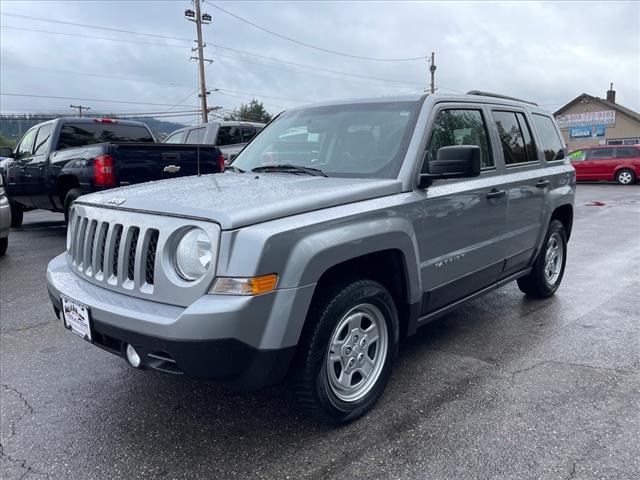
(17, 214)
(548, 269)
(4, 243)
(71, 196)
(625, 177)
(346, 352)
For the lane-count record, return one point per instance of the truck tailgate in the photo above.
(143, 162)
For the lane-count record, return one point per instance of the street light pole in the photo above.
(80, 108)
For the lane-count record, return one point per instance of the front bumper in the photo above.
(246, 341)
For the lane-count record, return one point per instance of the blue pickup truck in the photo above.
(59, 160)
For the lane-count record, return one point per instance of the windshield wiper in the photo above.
(291, 169)
(233, 169)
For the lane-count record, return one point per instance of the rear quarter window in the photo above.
(549, 139)
(627, 152)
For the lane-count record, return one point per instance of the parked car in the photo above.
(59, 160)
(401, 210)
(620, 163)
(5, 220)
(229, 136)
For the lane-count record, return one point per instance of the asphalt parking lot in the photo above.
(503, 388)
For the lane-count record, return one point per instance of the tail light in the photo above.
(103, 171)
(222, 163)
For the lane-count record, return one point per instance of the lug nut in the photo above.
(352, 362)
(348, 351)
(355, 339)
(360, 358)
(363, 343)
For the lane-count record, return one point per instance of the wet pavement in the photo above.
(505, 387)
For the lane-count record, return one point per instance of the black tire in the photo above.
(626, 177)
(4, 243)
(538, 284)
(72, 196)
(17, 214)
(310, 378)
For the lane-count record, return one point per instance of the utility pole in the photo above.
(432, 69)
(80, 108)
(199, 19)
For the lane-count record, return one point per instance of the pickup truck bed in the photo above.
(46, 173)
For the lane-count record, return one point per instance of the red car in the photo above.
(610, 162)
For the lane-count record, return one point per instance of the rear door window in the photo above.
(248, 133)
(174, 138)
(548, 137)
(229, 136)
(195, 136)
(42, 139)
(459, 127)
(602, 154)
(515, 137)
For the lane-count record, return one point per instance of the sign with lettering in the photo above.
(586, 119)
(587, 132)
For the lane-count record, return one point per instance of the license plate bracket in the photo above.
(76, 317)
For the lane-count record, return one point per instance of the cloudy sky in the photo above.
(543, 51)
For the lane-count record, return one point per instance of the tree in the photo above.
(253, 111)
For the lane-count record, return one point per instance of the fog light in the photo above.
(133, 357)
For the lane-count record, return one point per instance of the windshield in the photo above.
(366, 140)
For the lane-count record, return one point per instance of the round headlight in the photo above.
(193, 254)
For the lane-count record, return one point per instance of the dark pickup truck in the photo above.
(59, 160)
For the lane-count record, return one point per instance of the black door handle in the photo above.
(495, 193)
(542, 183)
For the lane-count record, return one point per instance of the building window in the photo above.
(623, 141)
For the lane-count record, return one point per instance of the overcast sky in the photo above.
(546, 52)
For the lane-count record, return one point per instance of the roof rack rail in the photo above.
(495, 95)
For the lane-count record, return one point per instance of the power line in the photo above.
(308, 45)
(223, 47)
(76, 24)
(83, 99)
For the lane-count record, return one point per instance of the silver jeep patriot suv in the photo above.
(339, 229)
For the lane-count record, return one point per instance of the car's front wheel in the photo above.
(17, 214)
(347, 350)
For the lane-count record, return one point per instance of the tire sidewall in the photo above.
(554, 227)
(72, 196)
(367, 292)
(633, 177)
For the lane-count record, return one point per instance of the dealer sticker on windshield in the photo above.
(76, 318)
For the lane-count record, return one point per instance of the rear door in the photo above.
(37, 170)
(527, 182)
(460, 224)
(602, 163)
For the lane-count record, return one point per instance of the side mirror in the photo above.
(456, 161)
(6, 152)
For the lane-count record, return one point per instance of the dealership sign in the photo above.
(587, 132)
(586, 119)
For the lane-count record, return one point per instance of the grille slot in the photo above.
(104, 229)
(91, 236)
(80, 235)
(131, 261)
(116, 249)
(151, 256)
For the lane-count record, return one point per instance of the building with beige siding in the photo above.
(588, 120)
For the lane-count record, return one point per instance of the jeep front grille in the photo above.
(132, 253)
(110, 252)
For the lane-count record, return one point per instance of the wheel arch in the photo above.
(64, 184)
(564, 214)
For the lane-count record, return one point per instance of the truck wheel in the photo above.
(548, 269)
(344, 359)
(625, 177)
(4, 243)
(17, 214)
(72, 196)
